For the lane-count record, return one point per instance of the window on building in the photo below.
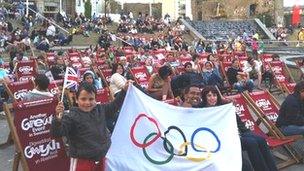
(200, 15)
(252, 9)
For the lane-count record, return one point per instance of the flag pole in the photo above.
(64, 84)
(120, 39)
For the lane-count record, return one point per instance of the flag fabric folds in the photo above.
(152, 135)
(70, 78)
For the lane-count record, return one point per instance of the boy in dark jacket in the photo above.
(85, 128)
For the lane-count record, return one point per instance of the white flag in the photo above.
(157, 136)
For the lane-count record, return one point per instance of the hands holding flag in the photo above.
(68, 81)
(126, 86)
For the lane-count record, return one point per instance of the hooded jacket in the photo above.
(97, 81)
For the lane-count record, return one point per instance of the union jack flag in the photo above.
(70, 78)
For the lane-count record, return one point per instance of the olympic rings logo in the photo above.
(168, 146)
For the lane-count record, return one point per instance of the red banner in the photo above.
(296, 18)
(103, 96)
(242, 110)
(26, 70)
(141, 75)
(20, 88)
(263, 101)
(54, 86)
(40, 149)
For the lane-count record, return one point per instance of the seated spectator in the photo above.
(44, 44)
(255, 47)
(254, 69)
(291, 114)
(91, 78)
(40, 91)
(191, 96)
(149, 65)
(256, 146)
(3, 79)
(189, 77)
(159, 86)
(58, 69)
(214, 59)
(41, 64)
(117, 80)
(194, 77)
(19, 57)
(195, 63)
(211, 76)
(239, 79)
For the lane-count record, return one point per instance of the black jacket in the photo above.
(241, 126)
(87, 134)
(291, 111)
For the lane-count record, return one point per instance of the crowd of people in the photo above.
(199, 81)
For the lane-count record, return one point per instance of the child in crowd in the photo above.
(85, 127)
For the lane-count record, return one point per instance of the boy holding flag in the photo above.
(85, 127)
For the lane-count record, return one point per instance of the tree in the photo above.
(88, 9)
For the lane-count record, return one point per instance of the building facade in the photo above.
(236, 9)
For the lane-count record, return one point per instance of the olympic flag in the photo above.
(152, 135)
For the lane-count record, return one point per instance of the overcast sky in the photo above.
(289, 3)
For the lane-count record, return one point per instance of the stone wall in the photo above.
(144, 9)
(230, 9)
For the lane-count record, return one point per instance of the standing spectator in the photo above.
(255, 47)
(300, 36)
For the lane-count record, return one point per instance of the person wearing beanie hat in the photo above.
(90, 77)
(159, 86)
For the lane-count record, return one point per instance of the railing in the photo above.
(55, 24)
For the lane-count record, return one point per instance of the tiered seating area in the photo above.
(222, 29)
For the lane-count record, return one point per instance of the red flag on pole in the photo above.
(295, 21)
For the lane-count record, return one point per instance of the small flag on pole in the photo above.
(70, 79)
